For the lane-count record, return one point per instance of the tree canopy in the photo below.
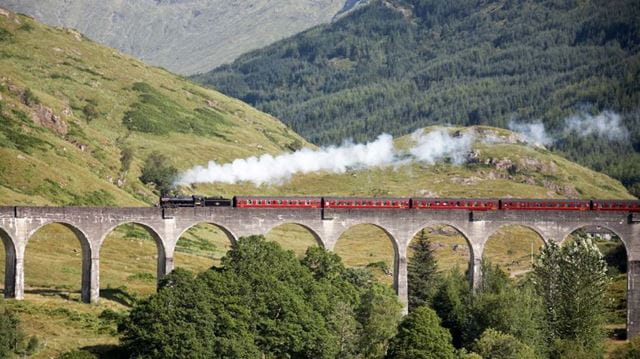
(264, 302)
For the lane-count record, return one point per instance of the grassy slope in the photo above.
(66, 73)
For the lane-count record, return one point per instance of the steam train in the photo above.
(417, 203)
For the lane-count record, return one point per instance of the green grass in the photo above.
(51, 67)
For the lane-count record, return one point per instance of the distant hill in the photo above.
(184, 36)
(78, 119)
(398, 65)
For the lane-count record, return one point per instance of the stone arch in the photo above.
(232, 237)
(313, 232)
(514, 260)
(457, 228)
(9, 264)
(86, 248)
(531, 227)
(196, 263)
(79, 233)
(161, 249)
(390, 237)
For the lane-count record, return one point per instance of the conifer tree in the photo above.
(422, 273)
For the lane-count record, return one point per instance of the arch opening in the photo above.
(55, 256)
(202, 246)
(369, 246)
(131, 257)
(295, 237)
(614, 252)
(513, 248)
(7, 256)
(450, 247)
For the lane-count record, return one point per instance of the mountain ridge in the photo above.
(184, 36)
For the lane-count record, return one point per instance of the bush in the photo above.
(420, 336)
(10, 333)
(90, 112)
(29, 98)
(159, 171)
(126, 157)
(496, 345)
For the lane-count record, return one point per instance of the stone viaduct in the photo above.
(92, 225)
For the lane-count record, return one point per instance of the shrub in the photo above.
(420, 336)
(159, 171)
(90, 112)
(496, 345)
(10, 333)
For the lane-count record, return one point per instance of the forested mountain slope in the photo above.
(184, 36)
(77, 120)
(397, 65)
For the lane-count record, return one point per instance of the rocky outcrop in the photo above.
(46, 118)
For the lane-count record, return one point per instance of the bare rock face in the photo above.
(45, 117)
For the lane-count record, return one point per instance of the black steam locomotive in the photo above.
(195, 201)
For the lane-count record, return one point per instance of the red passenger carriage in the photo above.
(366, 203)
(615, 205)
(545, 205)
(278, 202)
(477, 204)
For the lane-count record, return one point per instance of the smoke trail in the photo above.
(440, 145)
(533, 132)
(606, 124)
(435, 146)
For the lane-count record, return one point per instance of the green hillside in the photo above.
(398, 65)
(78, 119)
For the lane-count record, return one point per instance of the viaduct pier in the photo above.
(93, 225)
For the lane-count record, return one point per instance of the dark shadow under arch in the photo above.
(85, 268)
(294, 236)
(202, 240)
(362, 251)
(9, 265)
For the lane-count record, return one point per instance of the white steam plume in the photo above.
(439, 145)
(435, 146)
(606, 124)
(534, 132)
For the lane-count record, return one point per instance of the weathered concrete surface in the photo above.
(92, 225)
